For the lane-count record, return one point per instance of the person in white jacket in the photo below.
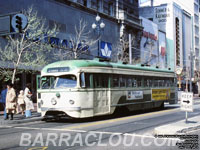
(27, 99)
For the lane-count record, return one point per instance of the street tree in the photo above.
(27, 50)
(80, 43)
(122, 50)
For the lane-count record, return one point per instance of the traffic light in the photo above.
(19, 23)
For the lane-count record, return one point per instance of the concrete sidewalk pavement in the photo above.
(18, 118)
(179, 127)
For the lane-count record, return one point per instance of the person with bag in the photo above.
(28, 101)
(20, 101)
(10, 101)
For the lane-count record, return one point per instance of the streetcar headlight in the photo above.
(53, 101)
(71, 102)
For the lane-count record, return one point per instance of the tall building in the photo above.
(180, 20)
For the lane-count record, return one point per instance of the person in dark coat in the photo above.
(3, 99)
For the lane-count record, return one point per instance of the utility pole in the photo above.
(191, 58)
(130, 49)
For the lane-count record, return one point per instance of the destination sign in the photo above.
(58, 69)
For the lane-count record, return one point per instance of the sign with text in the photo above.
(161, 14)
(187, 101)
(131, 95)
(160, 94)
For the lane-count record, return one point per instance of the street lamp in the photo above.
(98, 27)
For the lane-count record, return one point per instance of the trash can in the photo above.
(28, 113)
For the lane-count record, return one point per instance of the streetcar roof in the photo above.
(71, 65)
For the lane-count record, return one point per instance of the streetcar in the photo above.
(88, 88)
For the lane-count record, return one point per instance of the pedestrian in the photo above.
(28, 101)
(20, 101)
(3, 99)
(10, 101)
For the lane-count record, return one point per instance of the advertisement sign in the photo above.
(160, 94)
(131, 95)
(162, 50)
(187, 101)
(149, 43)
(161, 14)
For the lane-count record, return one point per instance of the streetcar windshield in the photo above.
(48, 82)
(67, 81)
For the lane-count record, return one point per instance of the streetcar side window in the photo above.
(134, 82)
(115, 81)
(148, 82)
(128, 82)
(139, 82)
(122, 81)
(97, 81)
(85, 80)
(101, 80)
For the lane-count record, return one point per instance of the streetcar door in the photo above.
(101, 95)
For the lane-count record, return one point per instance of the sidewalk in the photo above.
(18, 118)
(180, 127)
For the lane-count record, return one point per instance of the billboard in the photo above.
(162, 50)
(149, 43)
(160, 94)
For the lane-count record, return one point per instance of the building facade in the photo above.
(180, 21)
(119, 16)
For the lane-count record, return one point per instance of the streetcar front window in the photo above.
(67, 81)
(48, 82)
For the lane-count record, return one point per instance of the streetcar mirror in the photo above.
(83, 80)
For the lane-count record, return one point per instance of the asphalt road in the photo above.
(122, 131)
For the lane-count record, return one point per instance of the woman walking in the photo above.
(20, 101)
(28, 101)
(10, 101)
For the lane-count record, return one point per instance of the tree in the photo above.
(122, 49)
(80, 43)
(27, 48)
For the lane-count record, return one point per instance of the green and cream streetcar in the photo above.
(87, 88)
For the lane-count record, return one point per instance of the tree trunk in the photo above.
(13, 76)
(16, 66)
(75, 55)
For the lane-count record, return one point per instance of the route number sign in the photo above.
(187, 101)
